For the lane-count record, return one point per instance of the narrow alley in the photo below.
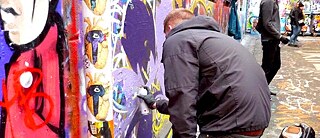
(297, 84)
(80, 68)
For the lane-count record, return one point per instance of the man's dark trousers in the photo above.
(271, 61)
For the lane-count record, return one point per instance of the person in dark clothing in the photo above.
(211, 80)
(269, 28)
(297, 21)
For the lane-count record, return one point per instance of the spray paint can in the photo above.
(143, 106)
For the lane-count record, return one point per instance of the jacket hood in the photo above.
(197, 22)
(300, 4)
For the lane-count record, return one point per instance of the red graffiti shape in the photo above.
(23, 96)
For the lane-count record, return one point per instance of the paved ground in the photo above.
(297, 84)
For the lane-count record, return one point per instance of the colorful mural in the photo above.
(128, 45)
(36, 76)
(73, 68)
(310, 12)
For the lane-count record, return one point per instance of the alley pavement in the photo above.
(297, 84)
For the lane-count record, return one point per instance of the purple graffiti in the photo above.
(95, 37)
(5, 54)
(140, 35)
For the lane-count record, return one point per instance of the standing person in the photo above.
(297, 21)
(210, 80)
(269, 28)
(33, 102)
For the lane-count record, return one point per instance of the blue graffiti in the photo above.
(93, 4)
(119, 97)
(96, 91)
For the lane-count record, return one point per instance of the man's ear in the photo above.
(170, 28)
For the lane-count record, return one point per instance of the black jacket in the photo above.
(295, 15)
(213, 81)
(269, 20)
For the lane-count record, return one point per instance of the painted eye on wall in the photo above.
(96, 90)
(95, 35)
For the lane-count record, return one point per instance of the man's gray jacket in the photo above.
(212, 80)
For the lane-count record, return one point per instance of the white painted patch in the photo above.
(308, 38)
(306, 83)
(294, 102)
(311, 57)
(294, 87)
(317, 66)
(278, 77)
(316, 78)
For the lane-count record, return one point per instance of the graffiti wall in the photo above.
(253, 7)
(34, 69)
(73, 68)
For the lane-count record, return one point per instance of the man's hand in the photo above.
(284, 40)
(148, 99)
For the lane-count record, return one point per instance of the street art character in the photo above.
(98, 96)
(33, 90)
(98, 83)
(96, 44)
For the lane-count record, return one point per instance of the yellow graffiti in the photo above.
(158, 120)
(145, 74)
(98, 125)
(94, 80)
(208, 6)
(204, 4)
(97, 7)
(179, 2)
(156, 85)
(145, 2)
(170, 134)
